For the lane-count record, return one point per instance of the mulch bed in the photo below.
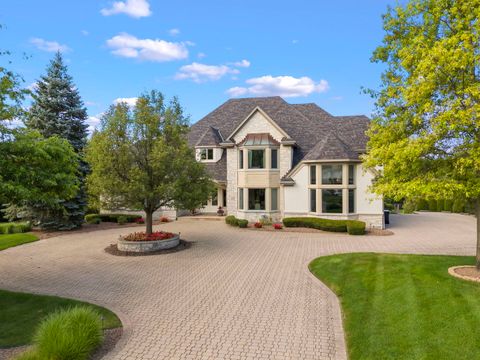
(86, 228)
(469, 273)
(113, 250)
(111, 337)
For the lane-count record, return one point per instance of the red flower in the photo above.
(278, 226)
(258, 225)
(142, 236)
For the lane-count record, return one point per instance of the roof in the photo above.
(259, 139)
(211, 137)
(316, 132)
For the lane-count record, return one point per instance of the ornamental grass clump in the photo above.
(71, 334)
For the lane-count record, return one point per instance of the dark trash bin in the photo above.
(386, 215)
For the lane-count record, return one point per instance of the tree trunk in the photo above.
(149, 221)
(477, 214)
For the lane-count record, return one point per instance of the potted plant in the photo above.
(220, 211)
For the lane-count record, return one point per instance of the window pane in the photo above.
(240, 159)
(256, 199)
(256, 159)
(274, 193)
(332, 174)
(313, 175)
(240, 199)
(332, 201)
(351, 200)
(215, 198)
(313, 200)
(351, 174)
(203, 154)
(210, 154)
(274, 159)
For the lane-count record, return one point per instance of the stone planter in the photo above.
(147, 246)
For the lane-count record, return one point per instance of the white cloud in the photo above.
(93, 122)
(50, 46)
(129, 101)
(32, 86)
(201, 55)
(286, 86)
(201, 72)
(244, 63)
(174, 32)
(129, 46)
(133, 8)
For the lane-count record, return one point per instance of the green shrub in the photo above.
(70, 334)
(422, 204)
(440, 204)
(448, 205)
(231, 220)
(242, 223)
(432, 205)
(409, 206)
(355, 227)
(15, 227)
(265, 220)
(458, 206)
(121, 220)
(318, 223)
(92, 218)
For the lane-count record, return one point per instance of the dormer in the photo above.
(208, 149)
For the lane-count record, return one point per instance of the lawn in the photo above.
(404, 306)
(10, 240)
(20, 313)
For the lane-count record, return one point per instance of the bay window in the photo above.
(240, 199)
(332, 201)
(274, 158)
(313, 200)
(256, 199)
(256, 159)
(313, 174)
(274, 199)
(332, 174)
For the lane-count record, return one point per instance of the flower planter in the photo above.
(147, 246)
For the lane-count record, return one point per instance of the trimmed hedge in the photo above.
(242, 223)
(231, 220)
(15, 227)
(92, 218)
(355, 227)
(326, 224)
(432, 205)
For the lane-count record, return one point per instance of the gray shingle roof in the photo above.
(211, 137)
(307, 124)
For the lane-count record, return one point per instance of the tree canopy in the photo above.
(140, 158)
(425, 137)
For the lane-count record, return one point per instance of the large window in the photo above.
(240, 199)
(256, 199)
(332, 174)
(274, 164)
(332, 201)
(313, 200)
(215, 198)
(351, 201)
(274, 199)
(351, 174)
(256, 159)
(240, 159)
(206, 154)
(313, 174)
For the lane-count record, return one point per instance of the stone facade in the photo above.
(232, 180)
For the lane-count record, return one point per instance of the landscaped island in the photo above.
(144, 242)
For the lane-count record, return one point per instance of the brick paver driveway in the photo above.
(235, 294)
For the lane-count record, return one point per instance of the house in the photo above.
(275, 159)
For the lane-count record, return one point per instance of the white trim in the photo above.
(248, 118)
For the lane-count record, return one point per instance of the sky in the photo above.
(204, 52)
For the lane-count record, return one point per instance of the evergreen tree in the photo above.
(58, 110)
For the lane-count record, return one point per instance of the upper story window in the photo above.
(313, 174)
(332, 174)
(351, 174)
(240, 159)
(274, 162)
(206, 154)
(256, 159)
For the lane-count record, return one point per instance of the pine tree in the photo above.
(58, 109)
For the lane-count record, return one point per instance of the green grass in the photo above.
(11, 240)
(404, 306)
(21, 313)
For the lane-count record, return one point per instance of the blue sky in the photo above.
(203, 51)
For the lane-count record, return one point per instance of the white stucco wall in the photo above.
(367, 203)
(296, 196)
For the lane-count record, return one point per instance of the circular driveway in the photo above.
(235, 294)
